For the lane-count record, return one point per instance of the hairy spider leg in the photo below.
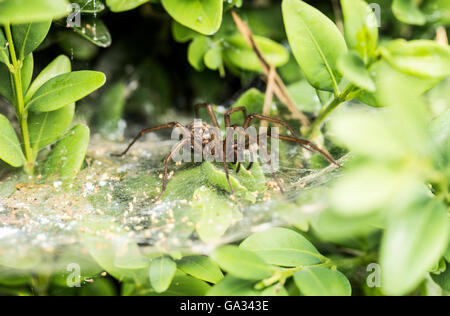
(216, 124)
(149, 130)
(166, 165)
(234, 110)
(302, 142)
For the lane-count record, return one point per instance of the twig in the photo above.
(441, 36)
(280, 89)
(269, 95)
(338, 15)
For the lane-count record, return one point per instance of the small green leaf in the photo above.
(408, 12)
(443, 279)
(58, 66)
(111, 108)
(197, 50)
(28, 37)
(231, 286)
(182, 34)
(316, 43)
(4, 51)
(283, 247)
(414, 241)
(201, 268)
(361, 27)
(216, 214)
(27, 72)
(213, 58)
(241, 263)
(203, 16)
(162, 271)
(305, 96)
(65, 89)
(124, 5)
(352, 67)
(95, 31)
(10, 150)
(184, 285)
(66, 159)
(322, 282)
(90, 6)
(419, 58)
(27, 11)
(46, 128)
(5, 83)
(240, 54)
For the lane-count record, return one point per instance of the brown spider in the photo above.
(189, 130)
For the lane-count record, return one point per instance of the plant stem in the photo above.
(334, 103)
(22, 114)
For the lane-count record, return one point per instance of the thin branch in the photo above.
(280, 89)
(269, 95)
(441, 36)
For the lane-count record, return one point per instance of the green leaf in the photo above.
(414, 241)
(241, 263)
(65, 89)
(182, 34)
(4, 51)
(124, 5)
(46, 128)
(305, 96)
(101, 287)
(283, 247)
(111, 108)
(216, 214)
(352, 67)
(95, 31)
(5, 83)
(197, 50)
(408, 12)
(28, 37)
(90, 6)
(437, 11)
(213, 58)
(240, 54)
(419, 58)
(66, 159)
(361, 27)
(27, 72)
(252, 100)
(10, 150)
(184, 285)
(162, 271)
(27, 11)
(58, 66)
(231, 286)
(322, 282)
(201, 267)
(443, 279)
(316, 43)
(203, 16)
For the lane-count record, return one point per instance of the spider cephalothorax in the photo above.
(197, 135)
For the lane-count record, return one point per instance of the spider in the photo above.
(189, 130)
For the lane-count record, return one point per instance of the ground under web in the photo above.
(107, 213)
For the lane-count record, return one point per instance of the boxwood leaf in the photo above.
(316, 43)
(66, 159)
(283, 247)
(184, 285)
(352, 67)
(239, 54)
(162, 270)
(4, 51)
(241, 263)
(231, 286)
(216, 214)
(89, 6)
(124, 5)
(10, 150)
(197, 50)
(28, 37)
(27, 11)
(361, 28)
(95, 31)
(320, 281)
(443, 279)
(408, 12)
(419, 58)
(27, 72)
(60, 65)
(65, 89)
(203, 16)
(414, 241)
(201, 267)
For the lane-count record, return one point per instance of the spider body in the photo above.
(191, 132)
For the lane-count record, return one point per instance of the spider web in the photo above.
(110, 201)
